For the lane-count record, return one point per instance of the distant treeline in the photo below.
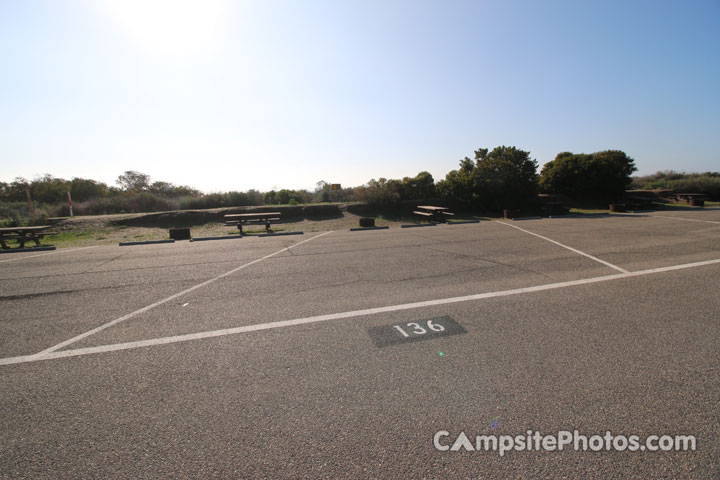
(504, 178)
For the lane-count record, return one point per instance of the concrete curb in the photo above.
(224, 237)
(461, 222)
(147, 242)
(360, 229)
(527, 218)
(20, 250)
(419, 225)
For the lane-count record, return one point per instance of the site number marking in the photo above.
(417, 329)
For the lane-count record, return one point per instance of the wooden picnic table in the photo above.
(432, 212)
(694, 199)
(23, 235)
(241, 219)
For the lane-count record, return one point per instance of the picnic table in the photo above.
(241, 219)
(433, 213)
(23, 235)
(694, 199)
(555, 207)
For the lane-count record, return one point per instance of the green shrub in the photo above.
(707, 183)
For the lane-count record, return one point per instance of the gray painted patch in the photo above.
(406, 332)
(278, 234)
(224, 237)
(418, 225)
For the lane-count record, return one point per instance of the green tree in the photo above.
(322, 191)
(48, 189)
(270, 198)
(83, 189)
(596, 176)
(283, 196)
(132, 181)
(16, 190)
(420, 187)
(165, 189)
(504, 178)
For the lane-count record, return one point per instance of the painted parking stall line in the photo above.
(686, 219)
(342, 315)
(608, 264)
(171, 297)
(49, 253)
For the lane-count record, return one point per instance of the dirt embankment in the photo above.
(190, 218)
(193, 218)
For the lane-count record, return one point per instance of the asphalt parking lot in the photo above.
(264, 357)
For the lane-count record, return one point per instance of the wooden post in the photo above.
(30, 203)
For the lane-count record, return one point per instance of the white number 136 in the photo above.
(419, 330)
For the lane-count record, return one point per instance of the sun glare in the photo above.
(170, 27)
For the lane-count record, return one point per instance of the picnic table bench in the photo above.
(23, 235)
(241, 219)
(433, 213)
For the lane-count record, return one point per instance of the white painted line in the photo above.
(686, 219)
(569, 248)
(49, 253)
(165, 300)
(337, 316)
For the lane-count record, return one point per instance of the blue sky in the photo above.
(233, 95)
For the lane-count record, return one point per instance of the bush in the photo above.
(707, 183)
(220, 200)
(384, 193)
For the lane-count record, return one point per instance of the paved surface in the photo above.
(263, 366)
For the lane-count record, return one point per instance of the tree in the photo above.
(83, 189)
(166, 189)
(48, 189)
(596, 176)
(254, 197)
(505, 178)
(420, 187)
(322, 191)
(15, 191)
(270, 198)
(132, 181)
(283, 196)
